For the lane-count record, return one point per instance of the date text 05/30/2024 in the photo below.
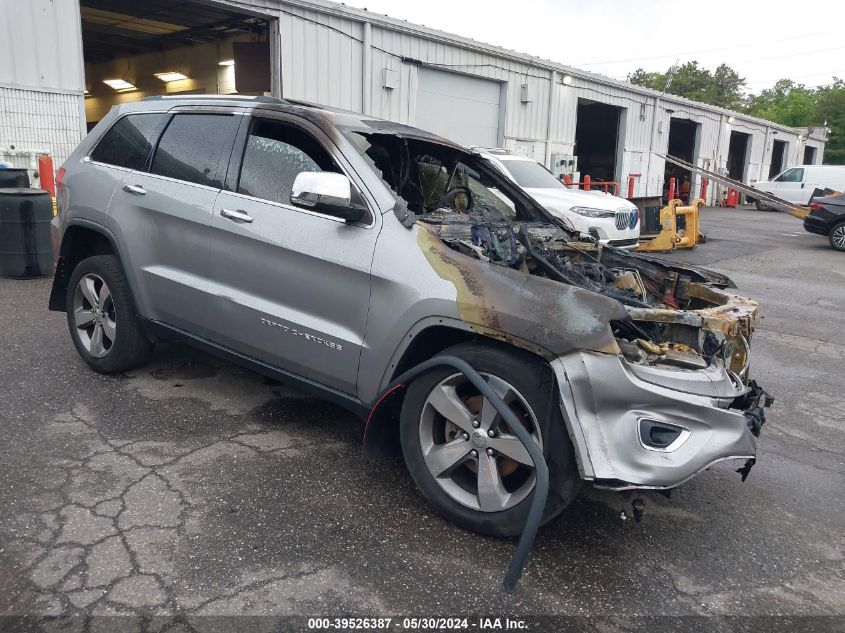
(418, 624)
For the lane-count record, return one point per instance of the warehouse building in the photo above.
(64, 63)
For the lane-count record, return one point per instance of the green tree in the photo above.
(830, 108)
(796, 105)
(722, 87)
(787, 102)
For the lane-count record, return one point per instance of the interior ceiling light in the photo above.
(226, 62)
(119, 84)
(171, 75)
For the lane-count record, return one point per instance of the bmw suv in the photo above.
(609, 219)
(337, 251)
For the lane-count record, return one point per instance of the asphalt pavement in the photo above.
(193, 488)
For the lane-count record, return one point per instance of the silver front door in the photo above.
(293, 285)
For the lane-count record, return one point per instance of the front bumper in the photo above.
(604, 400)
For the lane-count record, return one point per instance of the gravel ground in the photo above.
(193, 488)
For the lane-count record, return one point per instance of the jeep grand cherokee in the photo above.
(337, 251)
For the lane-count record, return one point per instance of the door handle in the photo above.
(236, 216)
(138, 190)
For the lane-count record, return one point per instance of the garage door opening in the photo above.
(738, 155)
(809, 156)
(778, 158)
(139, 48)
(683, 143)
(597, 133)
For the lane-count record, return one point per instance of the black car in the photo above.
(827, 217)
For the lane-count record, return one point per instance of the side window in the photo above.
(796, 174)
(275, 153)
(129, 141)
(196, 148)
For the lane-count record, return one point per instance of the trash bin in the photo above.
(25, 246)
(12, 177)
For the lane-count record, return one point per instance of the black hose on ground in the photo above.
(541, 469)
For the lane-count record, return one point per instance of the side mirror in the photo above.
(327, 192)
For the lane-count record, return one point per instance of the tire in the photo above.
(532, 393)
(837, 236)
(761, 206)
(101, 317)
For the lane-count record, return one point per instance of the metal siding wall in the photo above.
(40, 45)
(37, 120)
(525, 123)
(326, 67)
(319, 64)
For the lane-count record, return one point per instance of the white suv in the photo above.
(610, 219)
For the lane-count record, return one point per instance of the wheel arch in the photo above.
(81, 239)
(840, 222)
(381, 431)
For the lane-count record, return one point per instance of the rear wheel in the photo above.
(837, 237)
(101, 316)
(463, 457)
(762, 206)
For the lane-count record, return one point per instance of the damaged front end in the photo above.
(653, 391)
(651, 357)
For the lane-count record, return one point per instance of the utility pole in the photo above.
(669, 77)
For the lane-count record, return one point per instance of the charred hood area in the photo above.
(678, 315)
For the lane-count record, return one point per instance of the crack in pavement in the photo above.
(93, 553)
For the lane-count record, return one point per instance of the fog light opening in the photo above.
(661, 436)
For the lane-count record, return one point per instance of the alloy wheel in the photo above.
(469, 449)
(94, 315)
(838, 237)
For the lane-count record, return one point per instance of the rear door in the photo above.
(125, 146)
(293, 285)
(162, 212)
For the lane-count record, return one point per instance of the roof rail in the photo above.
(252, 98)
(490, 150)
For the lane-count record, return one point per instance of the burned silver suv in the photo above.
(337, 252)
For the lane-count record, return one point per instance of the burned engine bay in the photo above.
(678, 316)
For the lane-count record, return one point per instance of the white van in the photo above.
(797, 184)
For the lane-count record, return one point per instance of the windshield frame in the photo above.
(354, 135)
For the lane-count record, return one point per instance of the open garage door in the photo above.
(738, 155)
(139, 48)
(597, 133)
(683, 143)
(778, 158)
(809, 156)
(461, 108)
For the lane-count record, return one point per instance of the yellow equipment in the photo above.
(670, 237)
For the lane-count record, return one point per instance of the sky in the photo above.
(764, 40)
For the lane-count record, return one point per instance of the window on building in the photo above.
(196, 148)
(129, 141)
(275, 153)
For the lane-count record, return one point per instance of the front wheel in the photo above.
(463, 457)
(837, 237)
(101, 316)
